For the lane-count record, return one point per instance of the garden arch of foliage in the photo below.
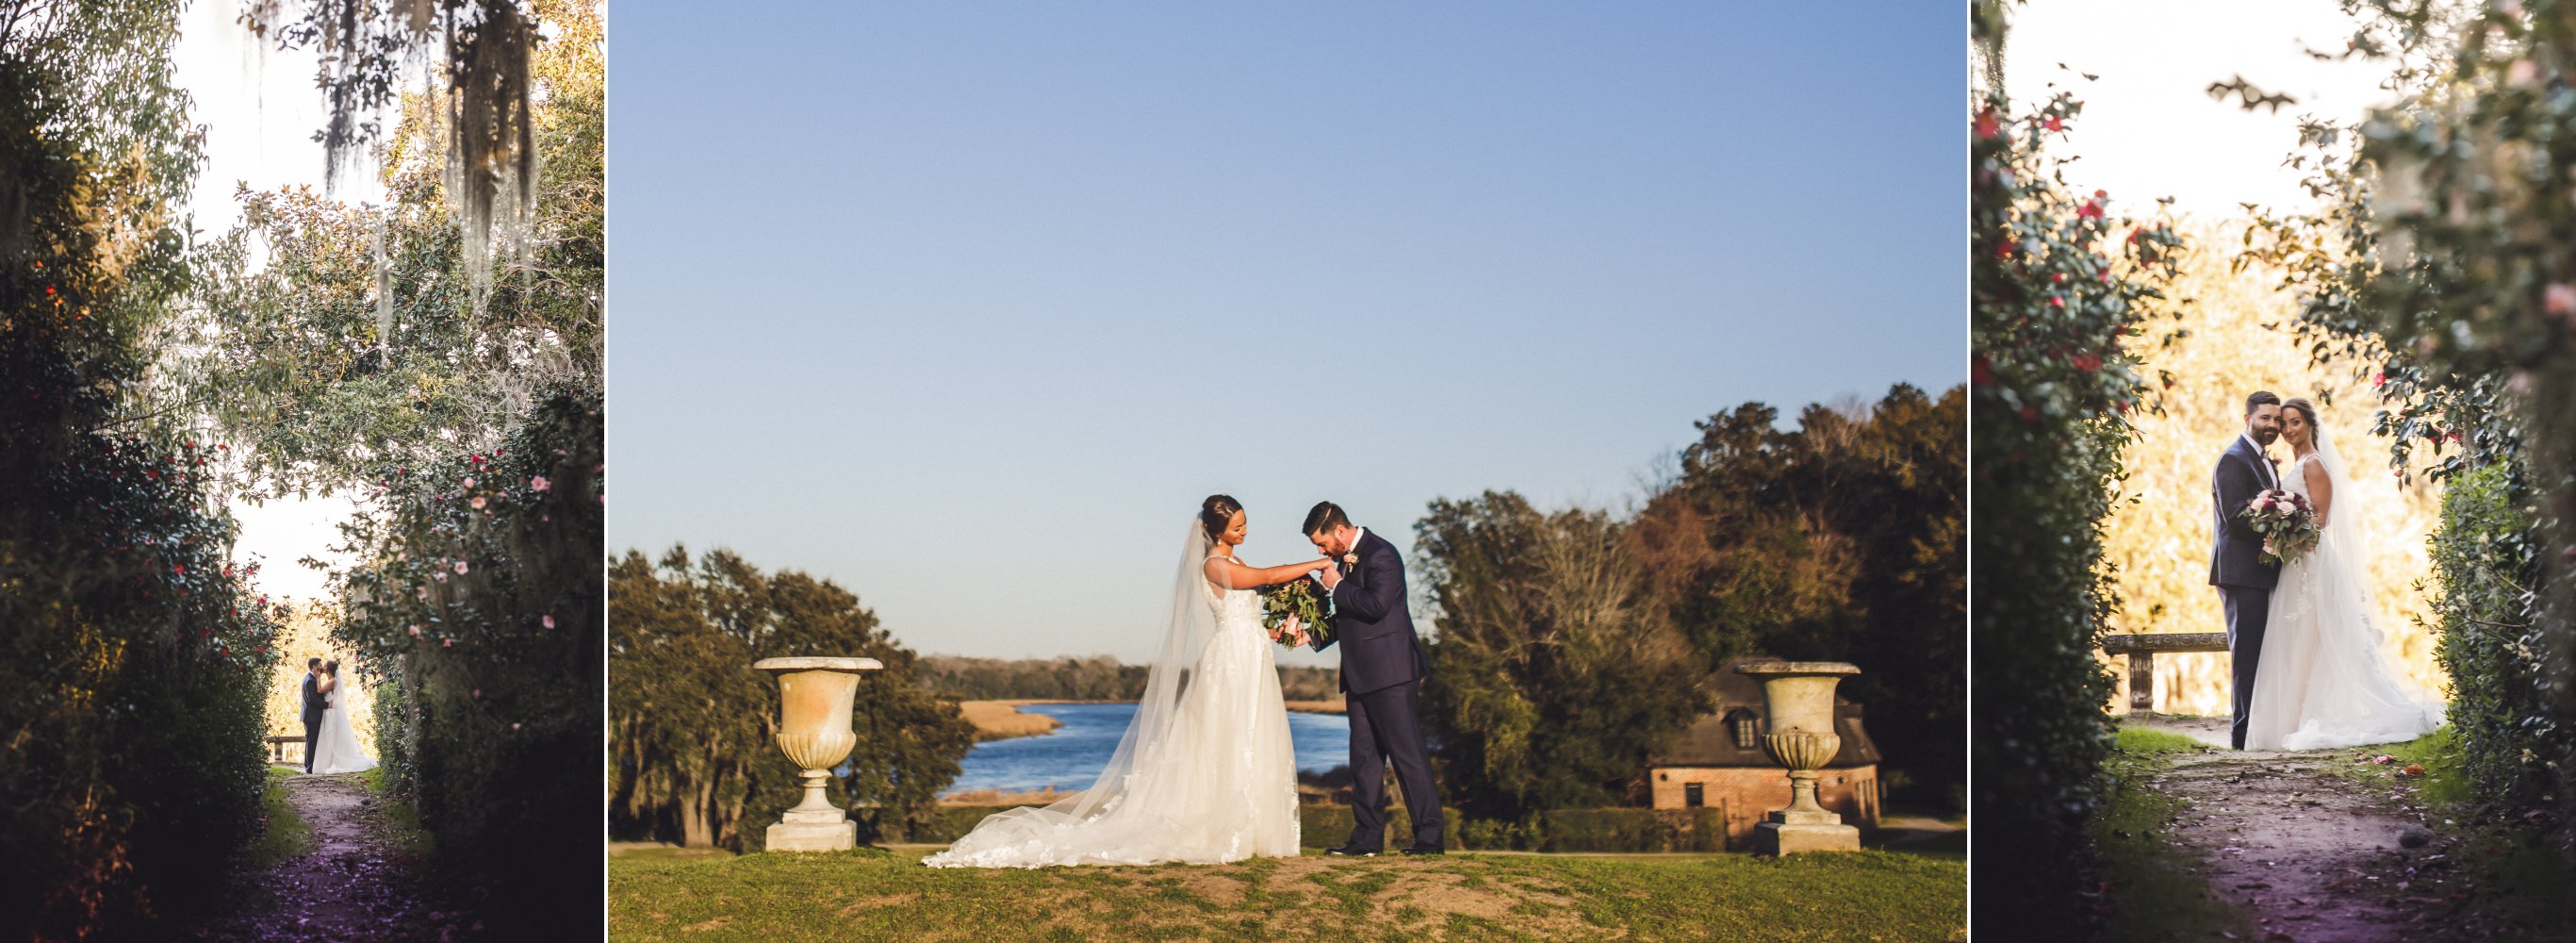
(2443, 263)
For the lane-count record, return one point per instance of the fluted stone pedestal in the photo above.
(814, 831)
(1787, 832)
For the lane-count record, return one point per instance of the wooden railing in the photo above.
(2141, 648)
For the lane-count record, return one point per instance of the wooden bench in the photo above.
(2141, 648)
(277, 747)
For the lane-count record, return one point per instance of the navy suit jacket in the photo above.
(2236, 552)
(312, 700)
(1371, 623)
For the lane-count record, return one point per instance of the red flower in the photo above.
(2054, 123)
(2092, 209)
(1982, 372)
(2379, 379)
(2088, 362)
(1986, 125)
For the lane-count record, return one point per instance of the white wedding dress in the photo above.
(2322, 680)
(1205, 773)
(337, 750)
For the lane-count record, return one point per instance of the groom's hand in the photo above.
(1332, 577)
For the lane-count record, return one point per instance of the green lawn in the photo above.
(871, 894)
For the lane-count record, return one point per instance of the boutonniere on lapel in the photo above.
(1350, 559)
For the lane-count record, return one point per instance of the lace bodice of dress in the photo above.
(2294, 475)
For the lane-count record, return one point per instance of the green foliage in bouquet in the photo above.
(1304, 599)
(2062, 293)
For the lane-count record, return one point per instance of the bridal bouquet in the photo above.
(1297, 612)
(2287, 522)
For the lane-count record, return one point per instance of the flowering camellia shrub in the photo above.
(2059, 292)
(476, 610)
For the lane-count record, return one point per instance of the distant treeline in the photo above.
(1092, 678)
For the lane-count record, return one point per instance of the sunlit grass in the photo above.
(870, 894)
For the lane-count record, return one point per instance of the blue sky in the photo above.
(967, 305)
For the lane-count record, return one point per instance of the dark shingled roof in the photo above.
(1710, 741)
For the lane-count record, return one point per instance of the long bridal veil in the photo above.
(2324, 680)
(1155, 743)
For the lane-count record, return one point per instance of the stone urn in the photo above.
(816, 696)
(1798, 706)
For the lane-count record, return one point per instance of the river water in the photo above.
(1071, 757)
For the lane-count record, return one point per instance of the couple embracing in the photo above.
(2308, 669)
(330, 739)
(1205, 773)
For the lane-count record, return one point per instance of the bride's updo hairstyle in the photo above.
(331, 667)
(1215, 513)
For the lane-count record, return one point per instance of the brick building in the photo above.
(1719, 764)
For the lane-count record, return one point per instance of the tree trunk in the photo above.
(697, 813)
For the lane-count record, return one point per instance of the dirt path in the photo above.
(2311, 851)
(355, 883)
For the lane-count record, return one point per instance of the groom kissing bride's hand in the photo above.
(1383, 667)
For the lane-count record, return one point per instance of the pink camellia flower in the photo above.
(478, 692)
(415, 631)
(460, 566)
(539, 483)
(549, 621)
(2523, 73)
(477, 502)
(469, 481)
(2559, 298)
(447, 643)
(441, 577)
(514, 725)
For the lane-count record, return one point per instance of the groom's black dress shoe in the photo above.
(1351, 851)
(1424, 850)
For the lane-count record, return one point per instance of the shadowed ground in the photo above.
(2319, 846)
(352, 878)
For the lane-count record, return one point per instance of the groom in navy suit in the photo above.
(2236, 564)
(1383, 664)
(313, 705)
